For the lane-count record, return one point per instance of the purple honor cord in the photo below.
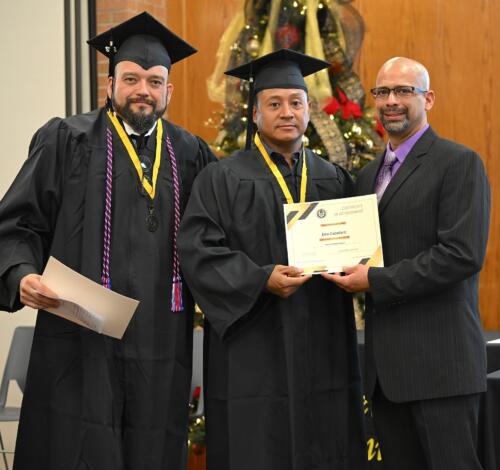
(176, 302)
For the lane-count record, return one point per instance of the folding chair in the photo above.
(16, 368)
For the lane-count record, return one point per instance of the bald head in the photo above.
(408, 68)
(403, 107)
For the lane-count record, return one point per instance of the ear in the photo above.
(170, 90)
(254, 113)
(429, 100)
(109, 88)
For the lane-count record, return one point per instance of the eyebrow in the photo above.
(279, 97)
(136, 75)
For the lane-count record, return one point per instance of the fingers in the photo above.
(355, 278)
(290, 271)
(349, 269)
(285, 280)
(297, 281)
(293, 283)
(35, 295)
(341, 281)
(288, 285)
(333, 277)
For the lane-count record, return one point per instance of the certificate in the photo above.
(87, 303)
(324, 236)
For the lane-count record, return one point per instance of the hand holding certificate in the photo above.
(87, 303)
(327, 235)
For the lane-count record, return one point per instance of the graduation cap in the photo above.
(142, 40)
(284, 68)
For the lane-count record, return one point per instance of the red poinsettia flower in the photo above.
(348, 108)
(351, 109)
(288, 36)
(332, 106)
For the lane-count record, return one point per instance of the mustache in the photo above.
(141, 100)
(392, 109)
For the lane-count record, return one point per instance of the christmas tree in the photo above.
(342, 129)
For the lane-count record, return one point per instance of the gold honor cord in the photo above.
(133, 154)
(279, 177)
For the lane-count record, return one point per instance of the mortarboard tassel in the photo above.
(248, 144)
(111, 50)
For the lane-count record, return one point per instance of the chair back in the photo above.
(16, 366)
(197, 377)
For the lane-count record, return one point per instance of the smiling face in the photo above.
(139, 96)
(402, 117)
(282, 116)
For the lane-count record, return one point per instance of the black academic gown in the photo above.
(281, 375)
(92, 402)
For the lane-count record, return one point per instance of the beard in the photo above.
(140, 121)
(395, 128)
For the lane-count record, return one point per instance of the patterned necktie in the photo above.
(384, 175)
(139, 142)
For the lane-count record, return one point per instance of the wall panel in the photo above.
(457, 40)
(202, 23)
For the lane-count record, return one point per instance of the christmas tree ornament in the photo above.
(288, 36)
(253, 47)
(241, 140)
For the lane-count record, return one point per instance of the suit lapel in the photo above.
(411, 163)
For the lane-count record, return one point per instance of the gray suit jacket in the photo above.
(423, 330)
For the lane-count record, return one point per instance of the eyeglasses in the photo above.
(406, 91)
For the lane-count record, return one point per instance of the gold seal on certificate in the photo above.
(324, 236)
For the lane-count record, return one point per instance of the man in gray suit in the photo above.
(425, 353)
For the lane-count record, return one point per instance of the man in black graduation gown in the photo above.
(281, 373)
(109, 210)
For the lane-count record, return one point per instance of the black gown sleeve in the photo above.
(28, 211)
(225, 282)
(205, 155)
(345, 181)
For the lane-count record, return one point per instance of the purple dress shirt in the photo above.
(404, 149)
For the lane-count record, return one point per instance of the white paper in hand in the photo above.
(87, 303)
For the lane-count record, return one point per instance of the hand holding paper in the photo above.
(285, 280)
(87, 303)
(33, 293)
(355, 279)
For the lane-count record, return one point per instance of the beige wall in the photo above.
(32, 84)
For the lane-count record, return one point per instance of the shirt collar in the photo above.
(404, 149)
(131, 131)
(273, 154)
